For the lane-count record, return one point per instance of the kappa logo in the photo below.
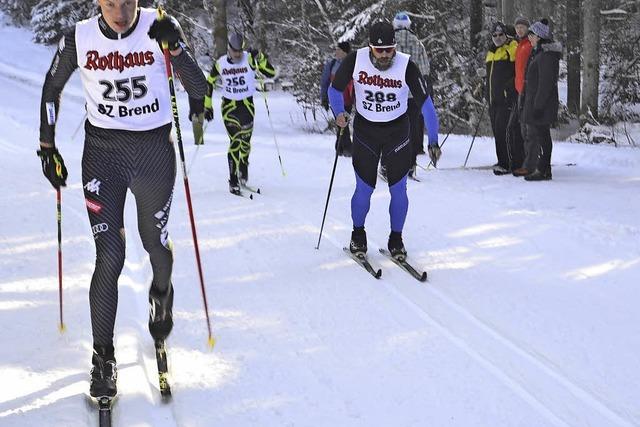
(99, 228)
(93, 186)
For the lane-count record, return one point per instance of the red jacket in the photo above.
(522, 56)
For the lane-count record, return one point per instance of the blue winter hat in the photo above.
(401, 20)
(541, 29)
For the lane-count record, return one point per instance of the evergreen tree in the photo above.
(50, 20)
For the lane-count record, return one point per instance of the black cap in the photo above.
(382, 34)
(498, 27)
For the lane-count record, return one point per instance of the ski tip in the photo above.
(251, 196)
(423, 278)
(258, 191)
(378, 273)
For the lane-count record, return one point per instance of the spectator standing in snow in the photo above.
(541, 95)
(343, 139)
(500, 91)
(127, 147)
(382, 79)
(523, 154)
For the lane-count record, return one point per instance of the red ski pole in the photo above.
(176, 119)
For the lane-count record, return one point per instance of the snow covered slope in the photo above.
(529, 317)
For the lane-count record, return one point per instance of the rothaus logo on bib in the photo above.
(117, 61)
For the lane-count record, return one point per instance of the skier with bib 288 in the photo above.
(127, 146)
(237, 72)
(382, 79)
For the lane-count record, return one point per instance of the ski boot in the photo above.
(234, 186)
(358, 243)
(243, 175)
(160, 315)
(538, 175)
(104, 373)
(395, 245)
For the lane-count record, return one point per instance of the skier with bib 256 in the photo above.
(237, 72)
(382, 80)
(127, 147)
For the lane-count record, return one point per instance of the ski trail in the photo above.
(539, 385)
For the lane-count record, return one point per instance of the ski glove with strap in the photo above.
(434, 153)
(165, 30)
(53, 166)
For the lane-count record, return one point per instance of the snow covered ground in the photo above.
(529, 317)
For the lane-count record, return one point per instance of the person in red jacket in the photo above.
(523, 154)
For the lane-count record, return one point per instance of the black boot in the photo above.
(244, 172)
(234, 185)
(537, 175)
(104, 373)
(395, 245)
(358, 241)
(160, 315)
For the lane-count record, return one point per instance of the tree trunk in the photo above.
(529, 10)
(220, 27)
(591, 55)
(259, 26)
(508, 11)
(475, 24)
(573, 56)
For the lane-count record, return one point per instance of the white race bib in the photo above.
(125, 81)
(238, 80)
(381, 96)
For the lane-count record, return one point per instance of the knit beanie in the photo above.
(541, 29)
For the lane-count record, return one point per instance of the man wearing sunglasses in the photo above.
(236, 73)
(382, 79)
(500, 91)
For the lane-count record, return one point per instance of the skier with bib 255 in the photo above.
(127, 147)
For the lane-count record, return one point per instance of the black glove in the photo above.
(208, 114)
(53, 166)
(434, 153)
(325, 104)
(538, 113)
(165, 30)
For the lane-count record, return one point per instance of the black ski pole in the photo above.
(484, 105)
(176, 119)
(61, 327)
(333, 173)
(441, 145)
